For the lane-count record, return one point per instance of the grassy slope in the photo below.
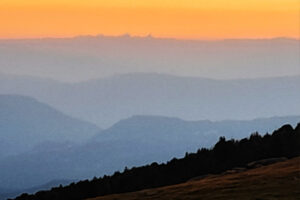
(276, 181)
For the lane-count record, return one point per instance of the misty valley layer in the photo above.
(84, 107)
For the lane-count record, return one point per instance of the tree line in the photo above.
(225, 155)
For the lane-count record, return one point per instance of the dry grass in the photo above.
(276, 181)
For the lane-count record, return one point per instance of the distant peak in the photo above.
(150, 118)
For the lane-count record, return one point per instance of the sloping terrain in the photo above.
(8, 193)
(162, 138)
(222, 158)
(26, 122)
(276, 181)
(136, 141)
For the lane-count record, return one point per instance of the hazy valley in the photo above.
(86, 107)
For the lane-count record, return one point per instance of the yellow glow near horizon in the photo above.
(213, 19)
(204, 4)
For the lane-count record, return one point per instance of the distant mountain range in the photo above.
(106, 101)
(25, 123)
(49, 121)
(48, 144)
(131, 142)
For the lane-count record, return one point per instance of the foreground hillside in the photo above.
(225, 155)
(277, 181)
(157, 139)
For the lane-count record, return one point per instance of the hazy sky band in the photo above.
(199, 19)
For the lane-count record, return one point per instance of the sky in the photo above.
(186, 19)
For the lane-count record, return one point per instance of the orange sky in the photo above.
(193, 19)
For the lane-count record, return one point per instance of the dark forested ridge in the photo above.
(137, 141)
(226, 154)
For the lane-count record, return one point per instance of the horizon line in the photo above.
(148, 36)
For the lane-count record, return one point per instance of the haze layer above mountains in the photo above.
(84, 58)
